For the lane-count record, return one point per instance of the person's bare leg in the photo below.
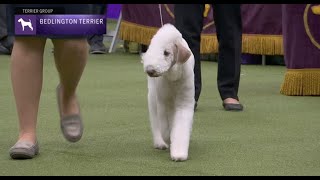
(70, 58)
(26, 77)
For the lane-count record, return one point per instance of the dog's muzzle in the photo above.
(151, 71)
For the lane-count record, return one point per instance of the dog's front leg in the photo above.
(162, 117)
(157, 126)
(180, 133)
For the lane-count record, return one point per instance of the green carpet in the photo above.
(275, 135)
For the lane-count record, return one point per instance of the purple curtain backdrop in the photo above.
(301, 33)
(262, 26)
(257, 18)
(262, 19)
(149, 15)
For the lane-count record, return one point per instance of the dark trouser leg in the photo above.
(96, 41)
(6, 42)
(189, 21)
(3, 20)
(228, 22)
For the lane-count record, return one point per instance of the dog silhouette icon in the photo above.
(25, 23)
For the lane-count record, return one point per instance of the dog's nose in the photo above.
(151, 71)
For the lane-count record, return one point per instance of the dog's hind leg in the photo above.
(180, 134)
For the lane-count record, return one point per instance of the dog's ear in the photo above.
(182, 53)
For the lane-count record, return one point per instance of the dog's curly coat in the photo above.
(169, 64)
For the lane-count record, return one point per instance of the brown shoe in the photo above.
(71, 125)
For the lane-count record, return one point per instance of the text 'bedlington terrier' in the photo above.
(169, 64)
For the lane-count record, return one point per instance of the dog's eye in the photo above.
(166, 53)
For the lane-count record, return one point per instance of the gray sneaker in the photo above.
(98, 48)
(24, 150)
(4, 50)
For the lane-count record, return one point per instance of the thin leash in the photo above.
(160, 15)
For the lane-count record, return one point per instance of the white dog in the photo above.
(25, 23)
(169, 64)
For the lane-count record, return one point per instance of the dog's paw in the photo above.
(161, 146)
(178, 157)
(178, 154)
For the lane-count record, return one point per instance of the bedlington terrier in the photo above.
(169, 64)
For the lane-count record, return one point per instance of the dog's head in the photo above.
(165, 50)
(20, 20)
